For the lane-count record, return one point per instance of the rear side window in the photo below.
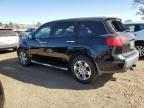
(114, 25)
(91, 28)
(117, 26)
(7, 32)
(134, 27)
(63, 29)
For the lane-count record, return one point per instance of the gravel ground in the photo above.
(43, 87)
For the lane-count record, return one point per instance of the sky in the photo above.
(33, 11)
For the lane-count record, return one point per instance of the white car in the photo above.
(8, 39)
(137, 28)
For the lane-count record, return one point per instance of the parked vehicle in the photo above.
(29, 31)
(1, 96)
(21, 33)
(138, 30)
(88, 47)
(8, 39)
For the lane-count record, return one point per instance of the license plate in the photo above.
(132, 46)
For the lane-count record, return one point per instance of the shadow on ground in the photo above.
(47, 77)
(6, 51)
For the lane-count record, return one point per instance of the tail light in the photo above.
(116, 41)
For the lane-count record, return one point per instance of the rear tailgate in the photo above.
(115, 26)
(8, 38)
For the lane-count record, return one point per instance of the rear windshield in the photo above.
(115, 26)
(7, 32)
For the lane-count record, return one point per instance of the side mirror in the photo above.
(31, 36)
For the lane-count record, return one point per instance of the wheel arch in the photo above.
(85, 52)
(139, 41)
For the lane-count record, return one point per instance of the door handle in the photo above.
(70, 41)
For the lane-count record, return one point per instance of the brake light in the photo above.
(116, 41)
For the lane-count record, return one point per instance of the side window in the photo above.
(141, 26)
(137, 28)
(131, 28)
(91, 28)
(43, 32)
(84, 30)
(64, 29)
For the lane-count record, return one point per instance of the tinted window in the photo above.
(118, 26)
(91, 28)
(7, 32)
(43, 32)
(64, 29)
(134, 27)
(141, 26)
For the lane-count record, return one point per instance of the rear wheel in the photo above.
(23, 57)
(140, 48)
(83, 69)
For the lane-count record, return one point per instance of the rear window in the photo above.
(91, 28)
(7, 32)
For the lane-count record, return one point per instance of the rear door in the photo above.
(8, 38)
(63, 37)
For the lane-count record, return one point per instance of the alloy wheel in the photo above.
(141, 50)
(23, 58)
(82, 70)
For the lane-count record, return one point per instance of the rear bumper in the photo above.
(129, 62)
(120, 64)
(8, 46)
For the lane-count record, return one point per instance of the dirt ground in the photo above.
(43, 87)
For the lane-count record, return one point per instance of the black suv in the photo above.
(88, 47)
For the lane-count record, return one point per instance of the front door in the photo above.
(39, 42)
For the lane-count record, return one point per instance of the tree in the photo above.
(140, 4)
(17, 26)
(1, 24)
(6, 26)
(10, 25)
(38, 24)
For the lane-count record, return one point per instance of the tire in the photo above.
(83, 69)
(24, 59)
(14, 49)
(140, 48)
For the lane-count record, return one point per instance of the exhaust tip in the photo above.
(133, 66)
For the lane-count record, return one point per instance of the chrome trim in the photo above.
(49, 65)
(70, 41)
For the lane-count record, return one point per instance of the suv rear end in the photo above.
(123, 54)
(8, 39)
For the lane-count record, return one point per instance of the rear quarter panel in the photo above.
(94, 46)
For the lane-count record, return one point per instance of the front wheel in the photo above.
(140, 48)
(23, 57)
(83, 69)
